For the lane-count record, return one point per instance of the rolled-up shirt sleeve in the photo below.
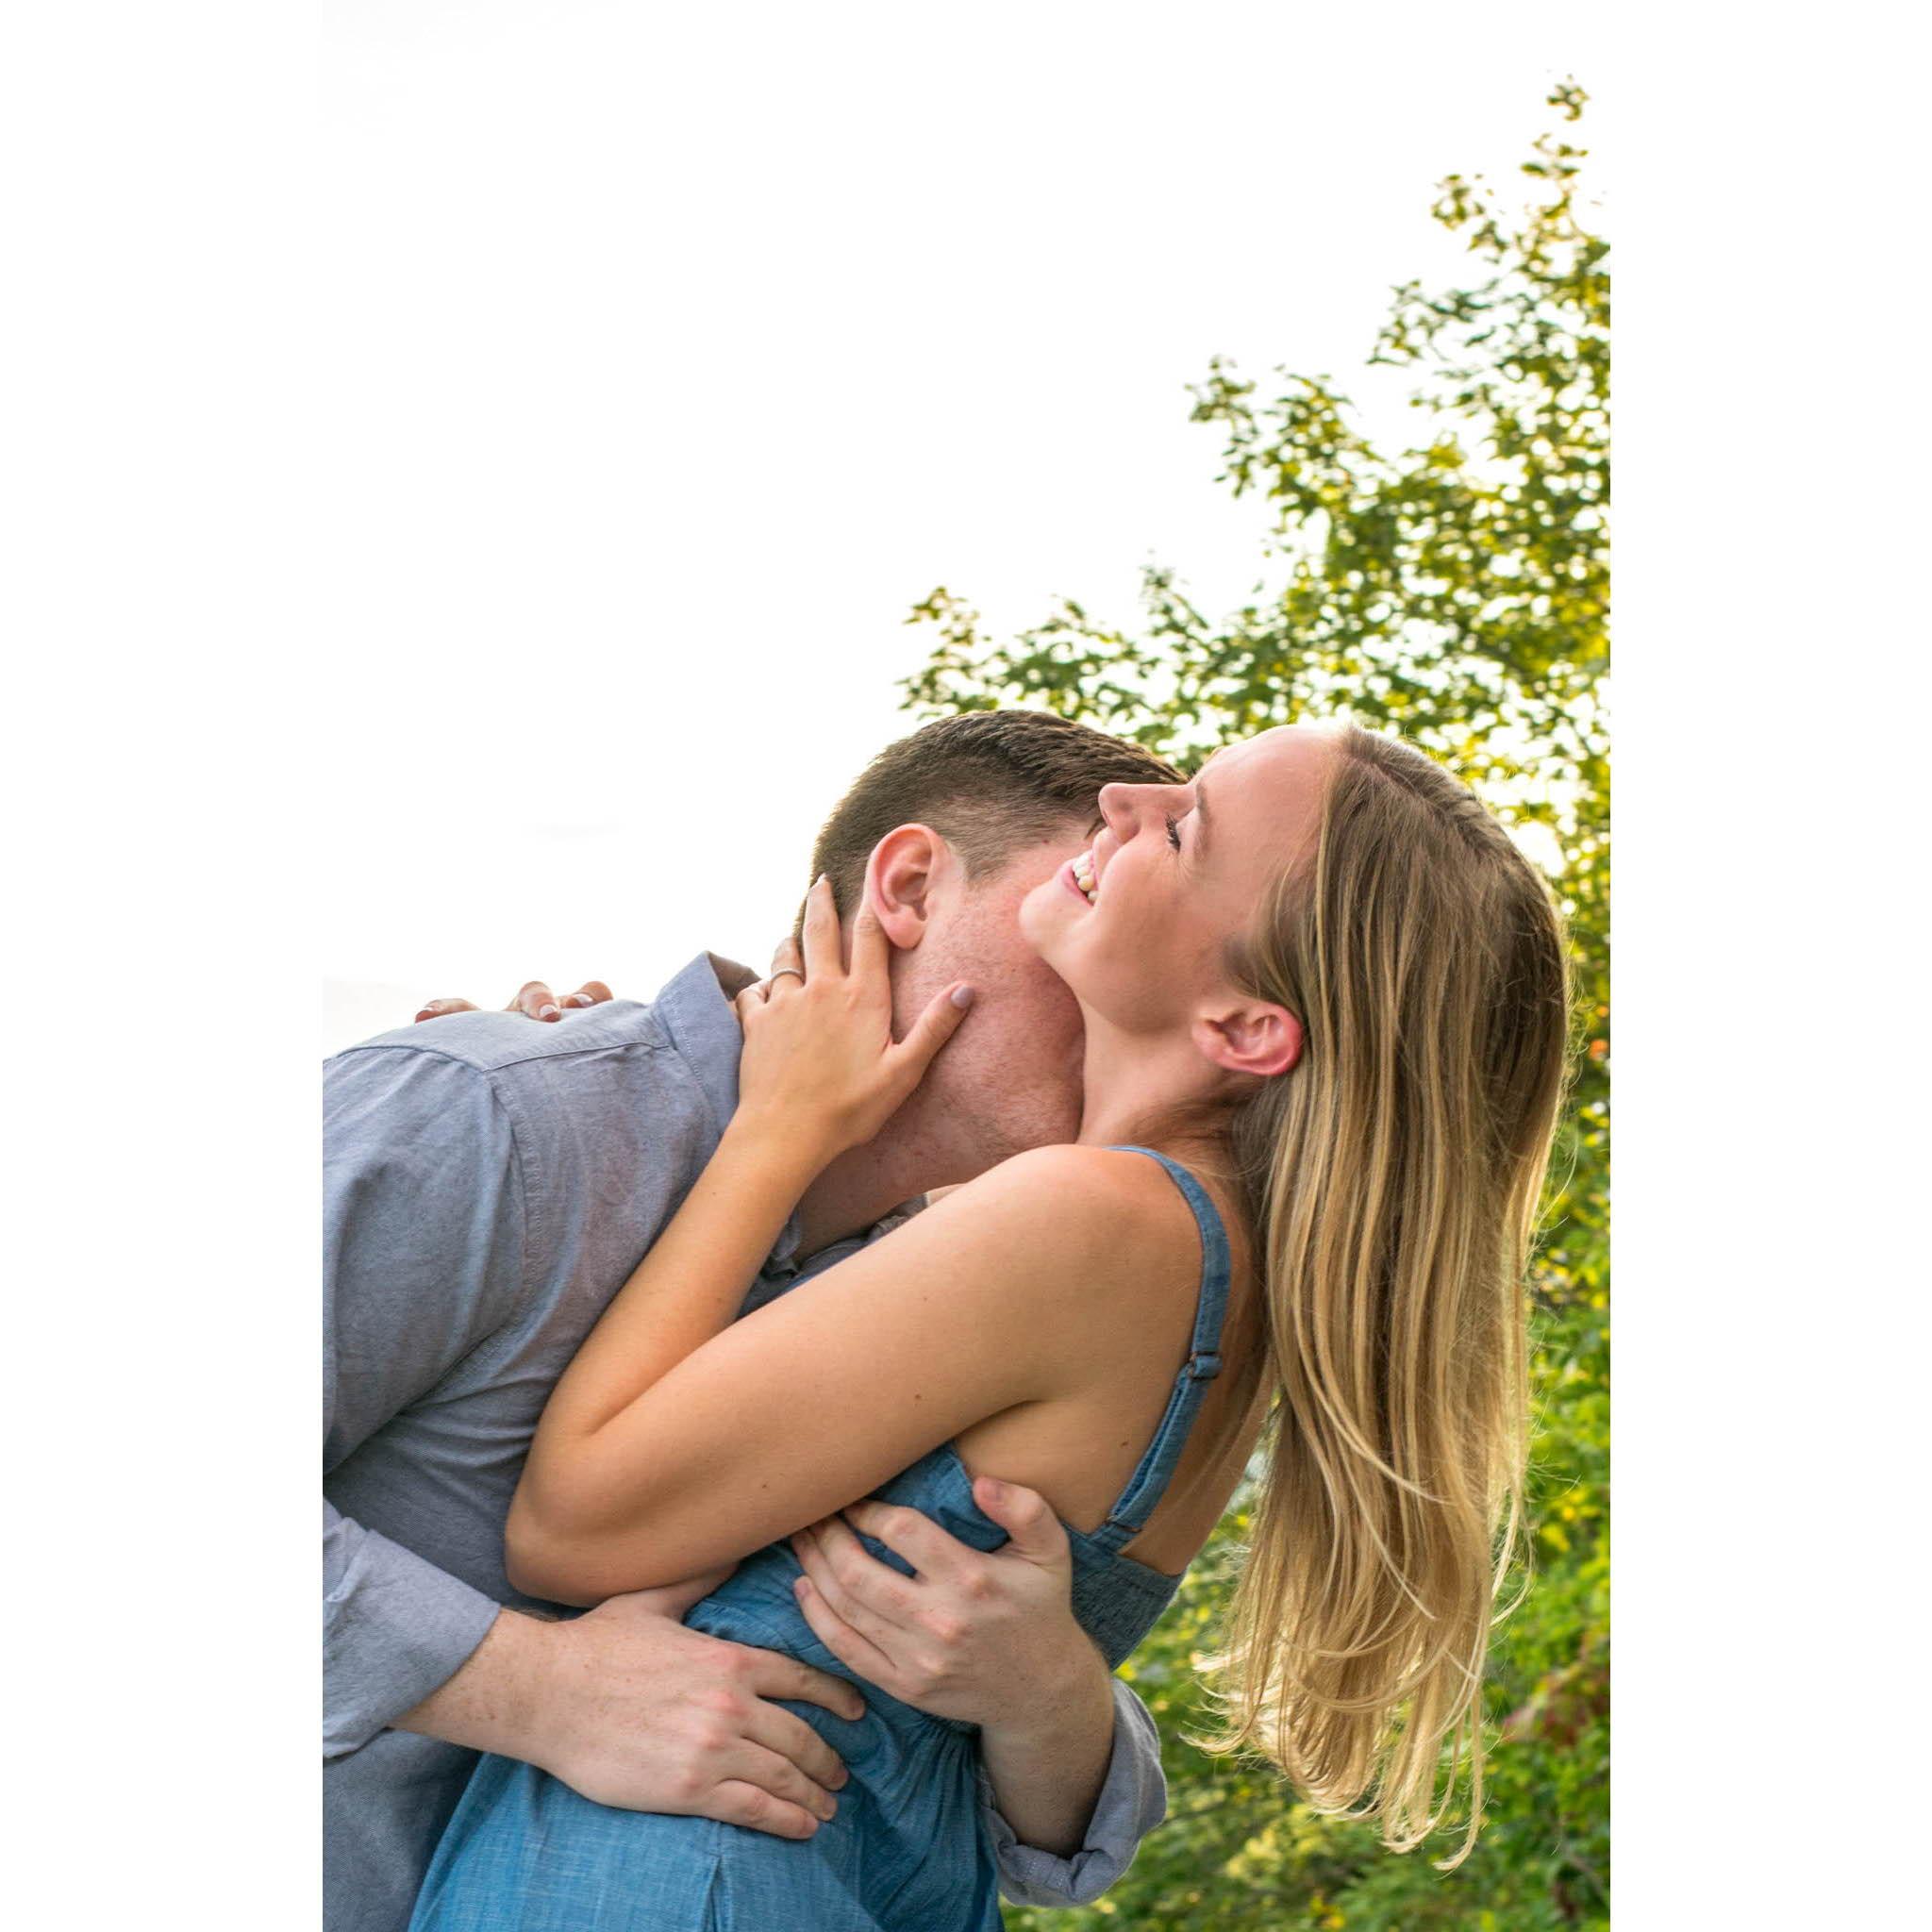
(1131, 1803)
(423, 1240)
(394, 1628)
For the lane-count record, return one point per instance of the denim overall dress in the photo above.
(907, 1851)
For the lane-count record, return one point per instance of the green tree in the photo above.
(1455, 590)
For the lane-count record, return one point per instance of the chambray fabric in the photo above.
(489, 1184)
(907, 1851)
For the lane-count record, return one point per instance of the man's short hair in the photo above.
(988, 782)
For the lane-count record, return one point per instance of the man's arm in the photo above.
(631, 1709)
(424, 1253)
(1132, 1801)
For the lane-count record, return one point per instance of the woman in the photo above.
(1325, 1007)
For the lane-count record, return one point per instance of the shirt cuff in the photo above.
(1131, 1803)
(394, 1628)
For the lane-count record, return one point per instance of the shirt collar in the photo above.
(706, 1033)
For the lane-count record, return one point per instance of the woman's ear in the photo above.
(899, 881)
(1250, 1037)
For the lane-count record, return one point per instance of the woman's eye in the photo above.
(1174, 832)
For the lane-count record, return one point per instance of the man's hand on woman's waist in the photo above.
(628, 1707)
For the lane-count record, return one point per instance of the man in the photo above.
(490, 1185)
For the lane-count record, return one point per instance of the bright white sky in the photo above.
(679, 351)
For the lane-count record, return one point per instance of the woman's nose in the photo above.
(1117, 808)
(1126, 807)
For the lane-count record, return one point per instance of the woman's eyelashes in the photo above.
(1173, 831)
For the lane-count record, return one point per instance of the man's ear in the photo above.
(1250, 1037)
(899, 879)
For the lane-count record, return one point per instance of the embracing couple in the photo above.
(903, 1321)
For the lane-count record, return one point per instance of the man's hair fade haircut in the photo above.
(988, 782)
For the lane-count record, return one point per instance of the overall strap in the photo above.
(1149, 1482)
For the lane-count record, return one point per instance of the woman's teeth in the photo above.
(1083, 876)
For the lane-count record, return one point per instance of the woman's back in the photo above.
(1168, 1264)
(907, 1846)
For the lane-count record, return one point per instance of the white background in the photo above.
(382, 523)
(673, 355)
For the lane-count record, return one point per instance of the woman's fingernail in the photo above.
(962, 995)
(800, 1587)
(548, 1011)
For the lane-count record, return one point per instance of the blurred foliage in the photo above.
(1455, 592)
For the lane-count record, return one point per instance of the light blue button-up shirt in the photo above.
(488, 1186)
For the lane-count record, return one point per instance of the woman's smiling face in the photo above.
(1138, 926)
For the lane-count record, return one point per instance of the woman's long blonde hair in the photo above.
(1393, 1178)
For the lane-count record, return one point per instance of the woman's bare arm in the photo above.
(685, 1291)
(820, 1073)
(745, 1432)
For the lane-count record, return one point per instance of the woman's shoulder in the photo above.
(1093, 1249)
(1085, 1170)
(1093, 1201)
